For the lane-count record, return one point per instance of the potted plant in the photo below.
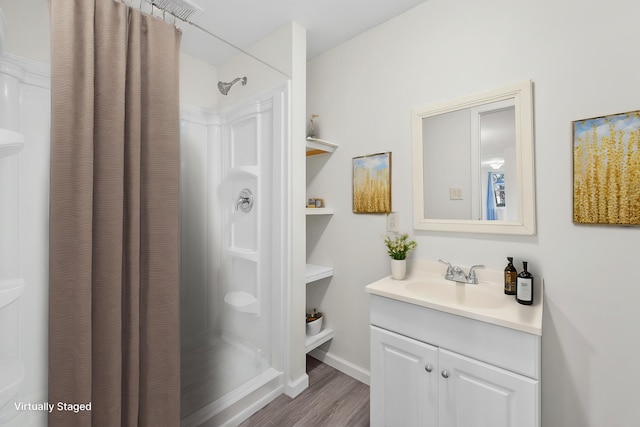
(398, 248)
(314, 322)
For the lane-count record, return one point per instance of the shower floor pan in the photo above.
(213, 372)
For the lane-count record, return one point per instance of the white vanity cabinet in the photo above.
(404, 381)
(473, 393)
(433, 368)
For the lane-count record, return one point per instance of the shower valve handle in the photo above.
(245, 201)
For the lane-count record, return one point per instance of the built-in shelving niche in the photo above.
(314, 272)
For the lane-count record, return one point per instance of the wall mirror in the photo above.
(473, 167)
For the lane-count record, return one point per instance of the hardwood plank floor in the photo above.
(333, 399)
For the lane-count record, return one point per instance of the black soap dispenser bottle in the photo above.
(524, 286)
(510, 278)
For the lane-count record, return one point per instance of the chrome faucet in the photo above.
(457, 274)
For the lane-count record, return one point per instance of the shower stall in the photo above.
(235, 208)
(235, 241)
(232, 257)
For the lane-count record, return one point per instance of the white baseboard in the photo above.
(341, 365)
(294, 388)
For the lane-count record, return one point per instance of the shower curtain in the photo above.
(114, 217)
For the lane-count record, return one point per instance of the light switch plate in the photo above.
(392, 222)
(455, 193)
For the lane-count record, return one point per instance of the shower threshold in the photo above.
(237, 395)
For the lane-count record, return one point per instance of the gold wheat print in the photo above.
(606, 170)
(372, 183)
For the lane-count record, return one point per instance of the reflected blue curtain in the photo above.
(491, 201)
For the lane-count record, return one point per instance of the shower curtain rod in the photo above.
(204, 30)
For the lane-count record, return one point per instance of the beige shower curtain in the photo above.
(114, 227)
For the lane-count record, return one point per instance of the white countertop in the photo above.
(425, 286)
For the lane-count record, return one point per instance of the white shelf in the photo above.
(10, 290)
(317, 272)
(246, 170)
(11, 375)
(318, 339)
(247, 254)
(242, 301)
(319, 211)
(319, 146)
(10, 142)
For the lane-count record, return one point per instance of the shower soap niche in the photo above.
(242, 301)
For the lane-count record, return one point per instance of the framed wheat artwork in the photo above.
(606, 170)
(372, 183)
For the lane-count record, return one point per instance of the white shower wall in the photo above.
(234, 269)
(24, 107)
(223, 153)
(197, 129)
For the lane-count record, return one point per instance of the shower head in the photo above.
(224, 87)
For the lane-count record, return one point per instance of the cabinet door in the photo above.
(404, 381)
(476, 394)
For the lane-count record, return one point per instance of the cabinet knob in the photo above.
(445, 374)
(428, 368)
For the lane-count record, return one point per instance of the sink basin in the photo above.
(425, 286)
(441, 291)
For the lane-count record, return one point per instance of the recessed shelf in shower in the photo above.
(244, 170)
(249, 255)
(242, 301)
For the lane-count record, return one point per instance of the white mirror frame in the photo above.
(525, 181)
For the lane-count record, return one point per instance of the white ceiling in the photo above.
(245, 22)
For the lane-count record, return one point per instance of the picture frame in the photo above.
(606, 169)
(372, 183)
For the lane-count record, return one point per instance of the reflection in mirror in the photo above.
(473, 164)
(497, 134)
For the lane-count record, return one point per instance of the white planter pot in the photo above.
(398, 268)
(314, 326)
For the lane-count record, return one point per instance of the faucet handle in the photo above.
(472, 278)
(449, 274)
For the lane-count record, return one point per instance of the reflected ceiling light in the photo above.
(495, 165)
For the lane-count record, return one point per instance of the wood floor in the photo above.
(333, 399)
